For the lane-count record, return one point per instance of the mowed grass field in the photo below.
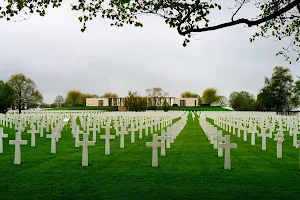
(115, 108)
(191, 170)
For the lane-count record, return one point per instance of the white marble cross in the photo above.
(219, 139)
(2, 135)
(76, 133)
(280, 139)
(295, 134)
(155, 145)
(253, 132)
(227, 146)
(33, 131)
(107, 137)
(146, 127)
(141, 132)
(245, 132)
(94, 130)
(53, 136)
(85, 143)
(41, 130)
(163, 139)
(132, 129)
(170, 135)
(18, 142)
(281, 129)
(122, 133)
(263, 136)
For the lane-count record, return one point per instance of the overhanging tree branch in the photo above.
(248, 22)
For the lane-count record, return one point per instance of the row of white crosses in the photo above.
(55, 122)
(216, 138)
(166, 137)
(107, 137)
(249, 121)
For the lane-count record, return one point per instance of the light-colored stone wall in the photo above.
(188, 101)
(94, 101)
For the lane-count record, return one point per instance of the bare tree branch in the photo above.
(239, 8)
(250, 23)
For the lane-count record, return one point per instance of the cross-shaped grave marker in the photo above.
(280, 139)
(53, 136)
(163, 139)
(18, 142)
(253, 132)
(85, 143)
(227, 146)
(107, 137)
(2, 135)
(264, 136)
(33, 131)
(122, 133)
(155, 145)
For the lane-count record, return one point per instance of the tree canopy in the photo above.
(210, 96)
(189, 94)
(109, 95)
(6, 96)
(73, 97)
(83, 98)
(243, 101)
(134, 102)
(279, 92)
(59, 100)
(26, 92)
(276, 18)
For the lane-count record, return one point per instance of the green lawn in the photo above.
(191, 170)
(115, 108)
(108, 108)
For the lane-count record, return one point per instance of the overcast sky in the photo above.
(54, 53)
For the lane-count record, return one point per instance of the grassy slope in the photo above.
(191, 170)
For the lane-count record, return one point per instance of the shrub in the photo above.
(175, 104)
(165, 106)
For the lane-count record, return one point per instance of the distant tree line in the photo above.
(19, 92)
(280, 94)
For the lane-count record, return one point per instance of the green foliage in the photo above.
(284, 26)
(73, 97)
(165, 106)
(210, 96)
(188, 94)
(133, 102)
(279, 92)
(6, 96)
(95, 96)
(109, 95)
(242, 101)
(83, 98)
(26, 92)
